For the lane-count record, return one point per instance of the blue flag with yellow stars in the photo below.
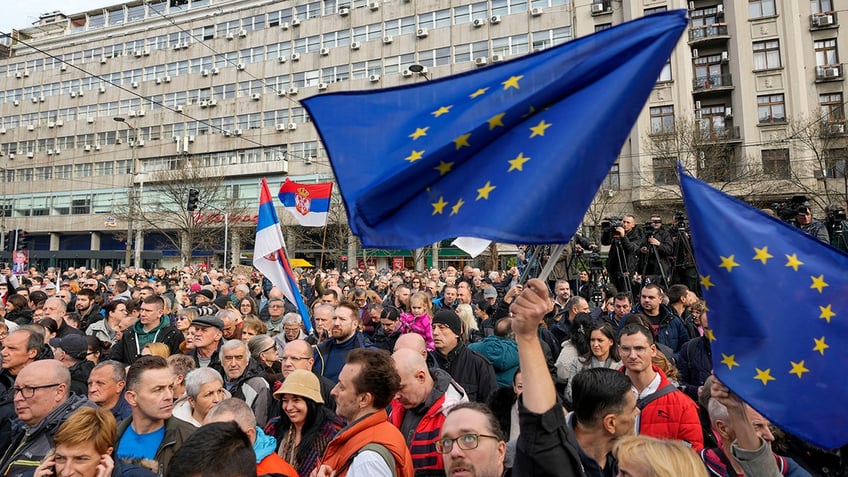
(778, 312)
(512, 152)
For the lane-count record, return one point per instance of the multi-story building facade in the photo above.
(213, 85)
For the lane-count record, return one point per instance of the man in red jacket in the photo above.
(667, 413)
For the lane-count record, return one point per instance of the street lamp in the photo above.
(133, 198)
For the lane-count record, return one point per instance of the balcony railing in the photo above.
(725, 134)
(833, 128)
(823, 20)
(712, 82)
(707, 32)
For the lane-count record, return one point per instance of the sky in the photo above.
(22, 13)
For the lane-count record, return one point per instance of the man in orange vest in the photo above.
(369, 443)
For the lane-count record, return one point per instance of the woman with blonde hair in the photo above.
(642, 456)
(156, 349)
(470, 329)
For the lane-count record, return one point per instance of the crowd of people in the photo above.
(392, 373)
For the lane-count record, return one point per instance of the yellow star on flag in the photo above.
(728, 263)
(495, 121)
(798, 368)
(792, 261)
(439, 207)
(419, 132)
(518, 162)
(818, 283)
(539, 129)
(462, 141)
(457, 206)
(729, 360)
(710, 335)
(826, 312)
(820, 345)
(764, 376)
(762, 254)
(414, 156)
(706, 283)
(512, 82)
(444, 167)
(479, 92)
(483, 192)
(442, 110)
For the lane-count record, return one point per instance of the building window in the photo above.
(665, 74)
(821, 6)
(655, 10)
(832, 109)
(603, 26)
(776, 163)
(761, 8)
(826, 53)
(770, 109)
(835, 160)
(766, 54)
(662, 120)
(663, 171)
(613, 179)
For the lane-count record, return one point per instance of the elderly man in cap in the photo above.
(208, 338)
(471, 370)
(71, 351)
(203, 297)
(151, 327)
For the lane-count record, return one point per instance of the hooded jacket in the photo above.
(502, 353)
(669, 330)
(267, 460)
(31, 444)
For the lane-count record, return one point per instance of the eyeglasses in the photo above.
(296, 359)
(29, 391)
(272, 347)
(465, 442)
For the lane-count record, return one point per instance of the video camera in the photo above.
(609, 226)
(786, 211)
(835, 214)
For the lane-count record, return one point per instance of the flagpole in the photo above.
(323, 244)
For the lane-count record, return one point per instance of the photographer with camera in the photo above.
(655, 250)
(837, 226)
(624, 239)
(683, 260)
(805, 221)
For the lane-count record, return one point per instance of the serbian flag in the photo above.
(269, 253)
(308, 203)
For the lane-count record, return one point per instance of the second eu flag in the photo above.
(512, 152)
(778, 308)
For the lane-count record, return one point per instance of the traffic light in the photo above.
(22, 239)
(193, 198)
(11, 240)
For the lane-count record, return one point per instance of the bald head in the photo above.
(409, 361)
(416, 383)
(51, 369)
(412, 341)
(297, 355)
(46, 384)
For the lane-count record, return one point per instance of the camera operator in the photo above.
(837, 226)
(655, 250)
(624, 239)
(683, 260)
(805, 221)
(567, 264)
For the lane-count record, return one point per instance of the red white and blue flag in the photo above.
(269, 253)
(308, 203)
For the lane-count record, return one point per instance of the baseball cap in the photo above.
(74, 345)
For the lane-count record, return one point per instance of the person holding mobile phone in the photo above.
(83, 448)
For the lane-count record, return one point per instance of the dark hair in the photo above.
(121, 286)
(622, 296)
(38, 297)
(390, 312)
(87, 292)
(485, 307)
(111, 306)
(142, 364)
(580, 331)
(316, 417)
(676, 292)
(19, 301)
(491, 419)
(607, 331)
(330, 291)
(95, 345)
(216, 449)
(354, 310)
(156, 301)
(633, 329)
(596, 392)
(254, 308)
(377, 376)
(50, 324)
(659, 289)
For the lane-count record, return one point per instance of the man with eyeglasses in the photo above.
(20, 348)
(276, 310)
(298, 355)
(42, 402)
(472, 442)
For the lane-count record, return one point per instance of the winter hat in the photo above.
(450, 319)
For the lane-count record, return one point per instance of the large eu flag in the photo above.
(512, 152)
(778, 309)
